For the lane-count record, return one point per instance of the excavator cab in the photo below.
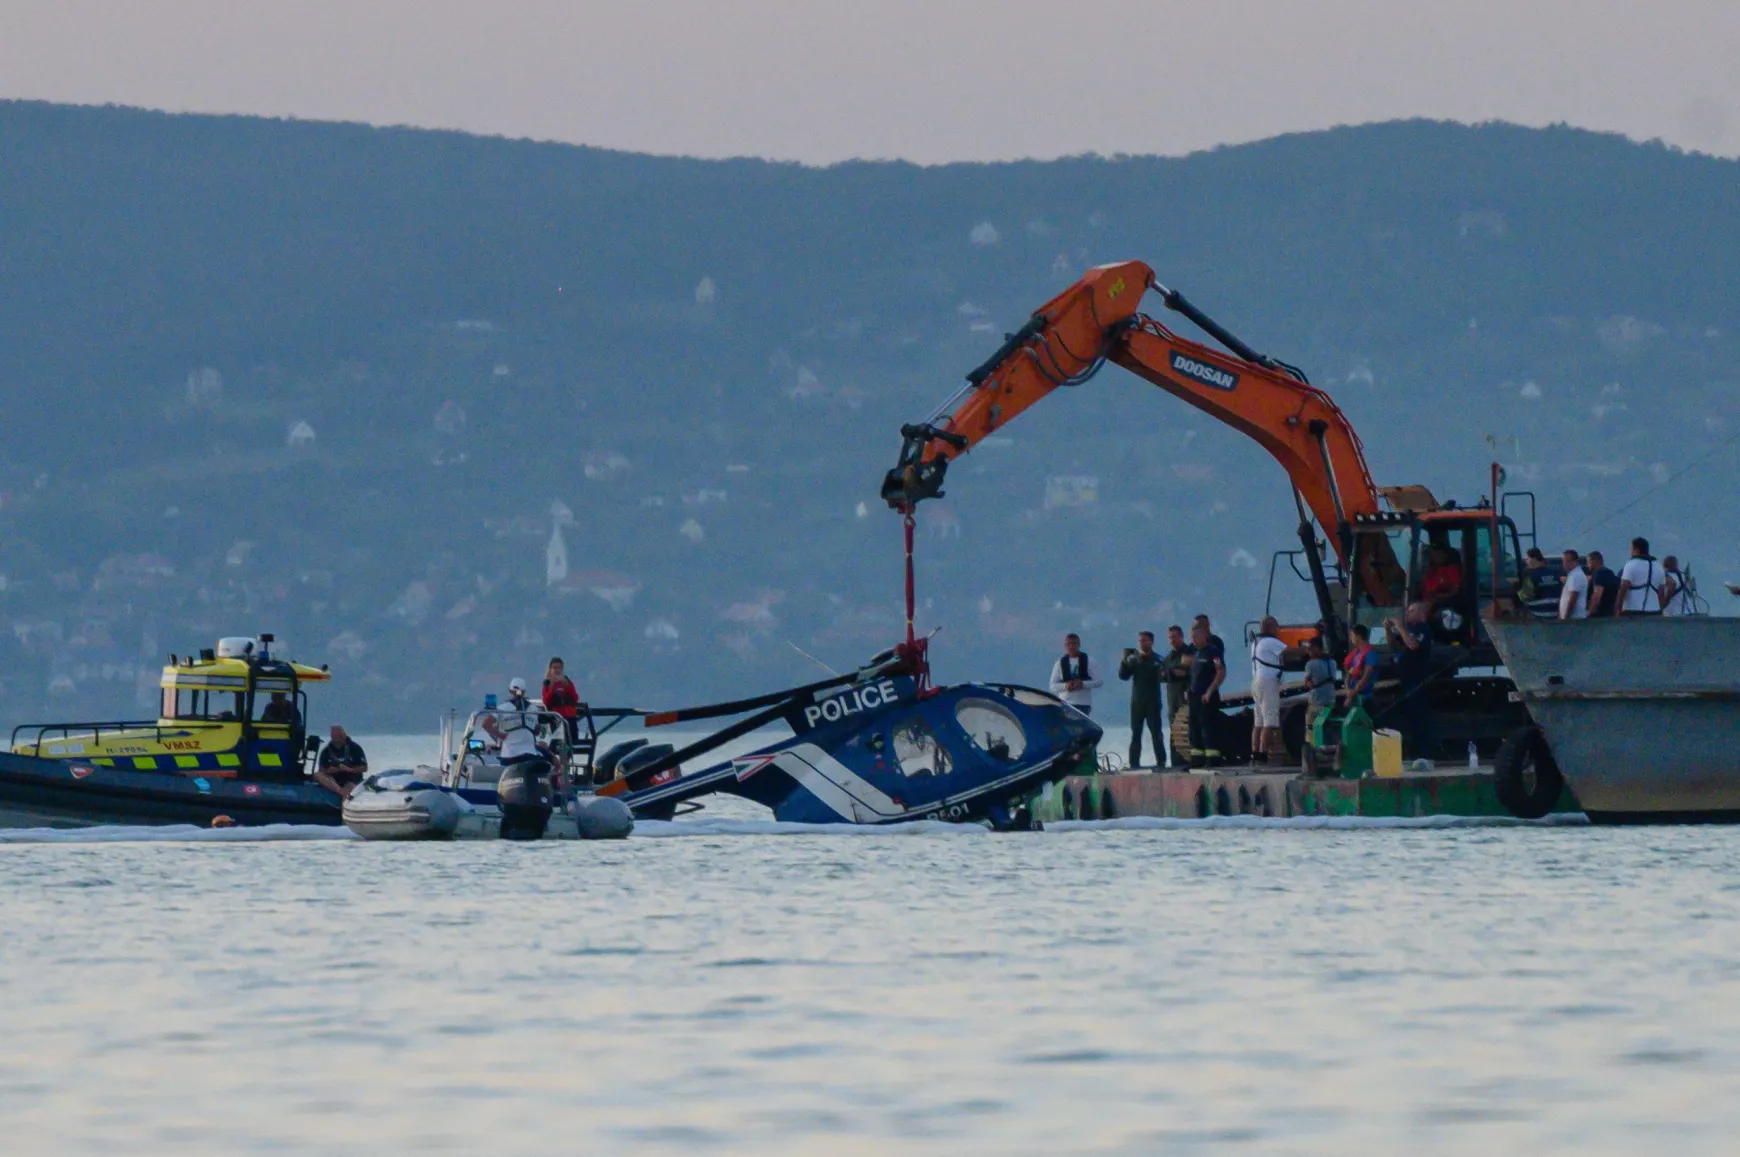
(1443, 557)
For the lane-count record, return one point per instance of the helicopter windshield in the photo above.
(992, 727)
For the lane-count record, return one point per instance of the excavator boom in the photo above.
(1097, 320)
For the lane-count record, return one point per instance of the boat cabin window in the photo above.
(285, 712)
(992, 727)
(918, 751)
(200, 704)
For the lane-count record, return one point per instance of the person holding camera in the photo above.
(1142, 667)
(1411, 639)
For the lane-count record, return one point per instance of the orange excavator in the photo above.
(1380, 548)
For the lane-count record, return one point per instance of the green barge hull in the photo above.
(1200, 795)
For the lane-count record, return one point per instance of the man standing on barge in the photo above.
(1207, 673)
(1141, 668)
(1574, 591)
(1179, 655)
(1072, 677)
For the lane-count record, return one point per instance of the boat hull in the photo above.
(404, 815)
(1642, 715)
(432, 813)
(73, 793)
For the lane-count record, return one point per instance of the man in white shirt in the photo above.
(1266, 655)
(516, 734)
(1574, 595)
(1640, 582)
(1073, 678)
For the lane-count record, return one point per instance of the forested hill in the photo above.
(435, 407)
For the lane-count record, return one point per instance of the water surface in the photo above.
(1198, 989)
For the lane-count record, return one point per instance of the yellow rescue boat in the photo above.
(231, 740)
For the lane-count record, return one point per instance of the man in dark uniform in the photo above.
(1207, 673)
(1603, 588)
(1179, 656)
(1411, 638)
(342, 764)
(1141, 668)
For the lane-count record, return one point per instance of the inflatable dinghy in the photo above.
(406, 805)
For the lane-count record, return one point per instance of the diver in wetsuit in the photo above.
(1142, 668)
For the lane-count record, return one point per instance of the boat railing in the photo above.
(68, 732)
(576, 742)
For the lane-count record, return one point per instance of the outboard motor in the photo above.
(643, 757)
(526, 799)
(605, 769)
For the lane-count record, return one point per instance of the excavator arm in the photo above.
(1097, 320)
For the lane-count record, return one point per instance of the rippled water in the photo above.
(1215, 988)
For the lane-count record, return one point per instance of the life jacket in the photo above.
(520, 736)
(1081, 667)
(1357, 663)
(1652, 594)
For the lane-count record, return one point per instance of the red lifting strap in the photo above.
(915, 651)
(910, 598)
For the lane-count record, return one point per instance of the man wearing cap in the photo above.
(517, 695)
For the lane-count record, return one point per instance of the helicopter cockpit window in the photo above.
(992, 727)
(1030, 697)
(918, 751)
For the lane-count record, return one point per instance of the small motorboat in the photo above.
(229, 745)
(474, 795)
(401, 806)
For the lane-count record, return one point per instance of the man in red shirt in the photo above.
(1443, 577)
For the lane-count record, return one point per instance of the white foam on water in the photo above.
(1313, 823)
(660, 829)
(174, 834)
(752, 827)
(668, 829)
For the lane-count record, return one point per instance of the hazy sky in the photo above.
(930, 80)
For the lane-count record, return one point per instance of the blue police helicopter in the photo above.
(874, 746)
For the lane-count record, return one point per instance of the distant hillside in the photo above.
(353, 384)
